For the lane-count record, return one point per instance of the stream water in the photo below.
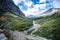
(24, 36)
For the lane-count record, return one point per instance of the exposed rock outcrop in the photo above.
(3, 37)
(21, 36)
(8, 5)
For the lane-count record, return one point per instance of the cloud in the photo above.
(36, 10)
(29, 3)
(56, 4)
(42, 1)
(40, 6)
(17, 1)
(29, 8)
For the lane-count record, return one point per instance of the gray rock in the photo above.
(21, 36)
(8, 5)
(17, 35)
(3, 37)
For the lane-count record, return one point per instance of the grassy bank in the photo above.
(50, 27)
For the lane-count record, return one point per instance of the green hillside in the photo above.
(19, 23)
(14, 22)
(50, 27)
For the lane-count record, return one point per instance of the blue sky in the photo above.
(36, 7)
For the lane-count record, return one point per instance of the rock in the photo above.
(8, 5)
(22, 36)
(17, 35)
(2, 37)
(1, 31)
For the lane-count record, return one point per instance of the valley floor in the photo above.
(23, 35)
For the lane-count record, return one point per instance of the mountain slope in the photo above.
(49, 12)
(50, 26)
(11, 16)
(8, 5)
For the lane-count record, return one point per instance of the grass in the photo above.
(29, 32)
(50, 27)
(15, 22)
(19, 23)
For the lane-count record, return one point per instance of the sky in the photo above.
(36, 7)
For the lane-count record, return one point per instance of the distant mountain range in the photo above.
(9, 6)
(46, 13)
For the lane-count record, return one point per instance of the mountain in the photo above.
(49, 12)
(11, 14)
(32, 17)
(9, 6)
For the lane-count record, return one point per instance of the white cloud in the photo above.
(41, 6)
(42, 1)
(37, 8)
(56, 4)
(17, 1)
(31, 11)
(28, 3)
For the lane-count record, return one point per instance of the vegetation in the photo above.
(15, 22)
(7, 33)
(29, 32)
(18, 23)
(2, 15)
(50, 27)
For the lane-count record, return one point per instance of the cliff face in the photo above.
(8, 5)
